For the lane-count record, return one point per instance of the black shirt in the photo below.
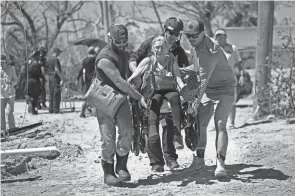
(88, 64)
(52, 63)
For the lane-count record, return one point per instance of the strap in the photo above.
(169, 67)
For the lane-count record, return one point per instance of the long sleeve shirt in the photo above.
(8, 81)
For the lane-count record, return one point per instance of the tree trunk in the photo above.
(263, 55)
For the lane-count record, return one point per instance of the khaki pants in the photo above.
(206, 111)
(107, 127)
(10, 110)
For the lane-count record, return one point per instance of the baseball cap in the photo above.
(3, 57)
(118, 32)
(193, 26)
(220, 32)
(174, 24)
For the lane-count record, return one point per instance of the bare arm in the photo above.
(140, 69)
(14, 77)
(114, 75)
(238, 60)
(132, 65)
(177, 74)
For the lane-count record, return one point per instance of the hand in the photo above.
(76, 82)
(143, 103)
(241, 80)
(182, 100)
(61, 82)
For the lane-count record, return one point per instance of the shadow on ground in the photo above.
(206, 176)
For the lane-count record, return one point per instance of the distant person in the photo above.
(44, 68)
(56, 79)
(235, 61)
(30, 76)
(87, 72)
(7, 96)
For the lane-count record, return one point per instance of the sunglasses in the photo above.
(192, 35)
(173, 33)
(118, 42)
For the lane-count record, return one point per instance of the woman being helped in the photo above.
(161, 62)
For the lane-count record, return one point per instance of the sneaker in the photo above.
(82, 115)
(220, 169)
(198, 163)
(172, 164)
(158, 168)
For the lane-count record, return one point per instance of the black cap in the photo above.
(174, 24)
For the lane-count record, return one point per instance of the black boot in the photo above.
(121, 168)
(110, 177)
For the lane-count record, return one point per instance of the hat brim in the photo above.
(220, 33)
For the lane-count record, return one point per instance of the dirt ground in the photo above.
(260, 161)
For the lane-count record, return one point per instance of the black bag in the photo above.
(163, 83)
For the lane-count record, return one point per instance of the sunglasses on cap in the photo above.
(173, 33)
(118, 42)
(196, 35)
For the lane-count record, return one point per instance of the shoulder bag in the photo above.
(104, 98)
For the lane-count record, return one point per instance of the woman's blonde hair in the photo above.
(161, 39)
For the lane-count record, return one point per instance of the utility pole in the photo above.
(106, 22)
(263, 55)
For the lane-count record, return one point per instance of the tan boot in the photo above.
(220, 168)
(198, 163)
(110, 177)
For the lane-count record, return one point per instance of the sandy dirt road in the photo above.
(260, 161)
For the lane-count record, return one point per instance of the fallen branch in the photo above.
(17, 130)
(20, 179)
(255, 123)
